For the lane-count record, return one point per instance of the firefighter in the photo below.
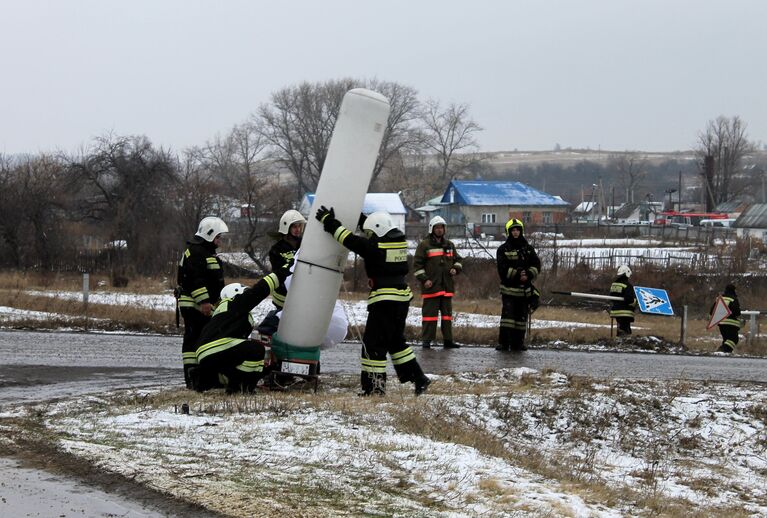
(518, 264)
(623, 310)
(282, 252)
(730, 326)
(384, 251)
(224, 350)
(200, 280)
(436, 262)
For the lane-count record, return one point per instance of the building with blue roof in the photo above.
(479, 202)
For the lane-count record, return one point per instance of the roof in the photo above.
(479, 192)
(753, 217)
(625, 210)
(585, 206)
(375, 201)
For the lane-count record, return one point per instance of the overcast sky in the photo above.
(609, 74)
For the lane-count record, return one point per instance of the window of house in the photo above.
(527, 216)
(547, 217)
(488, 218)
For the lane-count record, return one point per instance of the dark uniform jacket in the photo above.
(731, 299)
(232, 322)
(281, 256)
(512, 257)
(433, 261)
(385, 261)
(200, 275)
(622, 287)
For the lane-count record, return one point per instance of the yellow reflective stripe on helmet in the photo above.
(340, 234)
(216, 346)
(374, 366)
(251, 366)
(403, 356)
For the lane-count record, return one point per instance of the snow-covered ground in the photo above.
(514, 442)
(356, 311)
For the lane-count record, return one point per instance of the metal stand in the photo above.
(284, 378)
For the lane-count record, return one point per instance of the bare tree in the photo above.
(299, 121)
(449, 132)
(721, 149)
(123, 183)
(631, 169)
(32, 206)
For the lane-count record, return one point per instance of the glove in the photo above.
(282, 274)
(362, 220)
(323, 213)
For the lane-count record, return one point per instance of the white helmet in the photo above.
(436, 220)
(379, 223)
(232, 290)
(624, 270)
(211, 227)
(291, 216)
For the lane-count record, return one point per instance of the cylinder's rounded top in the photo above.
(364, 92)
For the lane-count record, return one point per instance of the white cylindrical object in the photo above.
(343, 183)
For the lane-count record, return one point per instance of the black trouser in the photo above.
(242, 365)
(432, 308)
(514, 314)
(194, 322)
(385, 333)
(729, 336)
(624, 325)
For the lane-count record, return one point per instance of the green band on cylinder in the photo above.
(285, 351)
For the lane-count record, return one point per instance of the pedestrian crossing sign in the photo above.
(654, 301)
(721, 311)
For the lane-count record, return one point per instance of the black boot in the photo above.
(502, 347)
(449, 344)
(426, 344)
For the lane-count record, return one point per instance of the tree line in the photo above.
(126, 197)
(123, 196)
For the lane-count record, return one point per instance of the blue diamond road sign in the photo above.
(654, 301)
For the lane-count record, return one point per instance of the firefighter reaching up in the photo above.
(384, 250)
(225, 352)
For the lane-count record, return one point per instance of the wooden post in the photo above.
(683, 329)
(86, 286)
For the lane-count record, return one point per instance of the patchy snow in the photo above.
(356, 310)
(514, 442)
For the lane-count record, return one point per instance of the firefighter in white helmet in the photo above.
(623, 310)
(225, 352)
(384, 250)
(291, 230)
(436, 262)
(200, 280)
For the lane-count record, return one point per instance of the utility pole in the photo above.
(679, 194)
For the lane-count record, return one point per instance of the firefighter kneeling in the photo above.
(224, 347)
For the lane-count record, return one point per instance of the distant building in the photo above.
(374, 202)
(753, 222)
(478, 202)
